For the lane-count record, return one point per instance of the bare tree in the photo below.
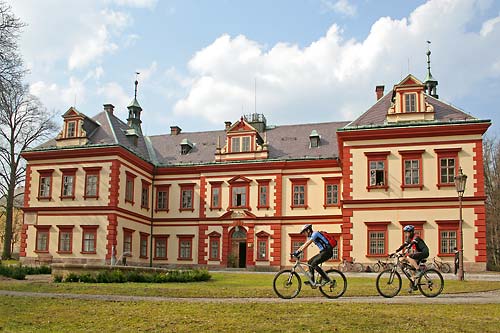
(491, 151)
(11, 65)
(23, 123)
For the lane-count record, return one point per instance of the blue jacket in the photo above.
(320, 241)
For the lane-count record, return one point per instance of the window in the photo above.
(412, 168)
(314, 139)
(185, 247)
(245, 143)
(65, 244)
(71, 129)
(129, 187)
(127, 241)
(162, 193)
(447, 166)
(262, 246)
(92, 182)
(45, 184)
(145, 194)
(215, 202)
(161, 247)
(263, 189)
(410, 102)
(299, 192)
(377, 238)
(68, 183)
(42, 238)
(296, 241)
(239, 189)
(214, 241)
(235, 145)
(143, 245)
(448, 237)
(239, 195)
(89, 239)
(332, 185)
(377, 170)
(187, 193)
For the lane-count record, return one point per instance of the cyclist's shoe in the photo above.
(412, 288)
(323, 283)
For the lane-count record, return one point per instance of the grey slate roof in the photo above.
(375, 115)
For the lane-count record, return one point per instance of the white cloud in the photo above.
(88, 49)
(330, 78)
(137, 3)
(112, 92)
(489, 26)
(60, 97)
(342, 7)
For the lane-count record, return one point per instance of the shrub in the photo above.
(58, 278)
(118, 276)
(19, 272)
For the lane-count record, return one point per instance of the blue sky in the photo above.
(311, 60)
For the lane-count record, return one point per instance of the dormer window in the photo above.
(186, 146)
(314, 139)
(240, 144)
(410, 102)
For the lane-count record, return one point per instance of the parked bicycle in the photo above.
(440, 265)
(388, 283)
(350, 266)
(287, 282)
(382, 265)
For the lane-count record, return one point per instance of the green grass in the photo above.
(55, 315)
(224, 285)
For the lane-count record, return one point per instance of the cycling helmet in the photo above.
(306, 227)
(409, 228)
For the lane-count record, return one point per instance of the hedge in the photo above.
(19, 272)
(118, 276)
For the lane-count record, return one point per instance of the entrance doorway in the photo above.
(237, 256)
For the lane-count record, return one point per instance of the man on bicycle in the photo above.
(416, 248)
(326, 252)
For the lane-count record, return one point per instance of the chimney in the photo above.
(109, 108)
(175, 130)
(379, 90)
(227, 124)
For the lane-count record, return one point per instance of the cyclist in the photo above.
(417, 248)
(326, 252)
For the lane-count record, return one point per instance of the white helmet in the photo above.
(306, 227)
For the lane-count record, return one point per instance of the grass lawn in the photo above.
(224, 285)
(20, 314)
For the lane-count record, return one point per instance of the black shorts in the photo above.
(419, 256)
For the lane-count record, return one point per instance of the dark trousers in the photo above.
(320, 258)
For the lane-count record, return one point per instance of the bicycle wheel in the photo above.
(376, 268)
(337, 287)
(342, 268)
(445, 267)
(357, 267)
(287, 284)
(431, 283)
(388, 283)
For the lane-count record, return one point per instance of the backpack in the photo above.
(330, 238)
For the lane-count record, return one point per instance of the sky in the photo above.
(208, 61)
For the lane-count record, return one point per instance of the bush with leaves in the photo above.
(118, 276)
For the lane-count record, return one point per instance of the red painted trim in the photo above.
(188, 187)
(278, 196)
(114, 183)
(276, 245)
(89, 229)
(298, 182)
(92, 171)
(239, 184)
(480, 234)
(27, 186)
(69, 229)
(184, 238)
(478, 168)
(24, 240)
(130, 179)
(447, 153)
(263, 183)
(213, 186)
(377, 227)
(225, 245)
(410, 155)
(203, 196)
(42, 229)
(334, 181)
(416, 131)
(68, 172)
(447, 225)
(377, 156)
(45, 174)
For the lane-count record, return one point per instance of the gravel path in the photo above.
(490, 297)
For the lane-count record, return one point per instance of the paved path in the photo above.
(490, 297)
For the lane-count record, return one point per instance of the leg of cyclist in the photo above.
(415, 259)
(320, 258)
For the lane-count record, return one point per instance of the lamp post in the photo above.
(460, 181)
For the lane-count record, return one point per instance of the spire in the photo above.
(134, 111)
(430, 83)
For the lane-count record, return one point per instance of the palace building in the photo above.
(238, 196)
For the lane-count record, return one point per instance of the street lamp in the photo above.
(460, 181)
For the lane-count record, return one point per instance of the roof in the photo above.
(375, 116)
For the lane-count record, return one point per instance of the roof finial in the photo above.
(136, 83)
(430, 82)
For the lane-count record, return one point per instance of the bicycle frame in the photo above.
(298, 267)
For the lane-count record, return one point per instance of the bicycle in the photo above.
(440, 265)
(382, 265)
(388, 283)
(287, 282)
(350, 266)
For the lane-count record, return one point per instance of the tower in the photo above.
(134, 112)
(430, 83)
